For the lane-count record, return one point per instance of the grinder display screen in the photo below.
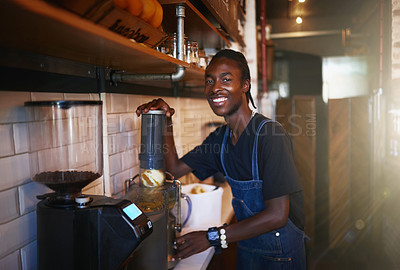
(132, 211)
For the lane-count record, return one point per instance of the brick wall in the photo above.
(121, 139)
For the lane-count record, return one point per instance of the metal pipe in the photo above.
(264, 59)
(180, 31)
(178, 223)
(130, 77)
(121, 76)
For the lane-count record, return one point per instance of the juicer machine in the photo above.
(158, 197)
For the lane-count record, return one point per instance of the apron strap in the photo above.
(223, 149)
(254, 162)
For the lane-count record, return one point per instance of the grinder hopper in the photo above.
(65, 145)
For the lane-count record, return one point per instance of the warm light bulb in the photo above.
(299, 20)
(302, 1)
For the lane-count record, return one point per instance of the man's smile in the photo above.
(218, 101)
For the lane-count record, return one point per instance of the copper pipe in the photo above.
(264, 59)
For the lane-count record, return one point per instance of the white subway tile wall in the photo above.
(118, 103)
(37, 131)
(113, 123)
(17, 233)
(11, 106)
(8, 205)
(128, 122)
(53, 159)
(119, 183)
(95, 188)
(76, 96)
(27, 196)
(20, 138)
(115, 163)
(14, 171)
(18, 192)
(121, 123)
(38, 96)
(64, 138)
(81, 154)
(129, 159)
(92, 96)
(11, 262)
(29, 256)
(6, 142)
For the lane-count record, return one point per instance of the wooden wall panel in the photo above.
(360, 163)
(332, 148)
(339, 182)
(298, 117)
(304, 139)
(389, 216)
(283, 113)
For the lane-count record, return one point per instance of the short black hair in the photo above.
(239, 58)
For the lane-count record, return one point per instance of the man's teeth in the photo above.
(221, 99)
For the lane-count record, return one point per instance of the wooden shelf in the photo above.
(38, 27)
(198, 27)
(227, 14)
(210, 22)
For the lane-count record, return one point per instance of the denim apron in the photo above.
(279, 249)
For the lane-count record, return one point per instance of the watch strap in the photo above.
(213, 239)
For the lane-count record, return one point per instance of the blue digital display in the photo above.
(132, 211)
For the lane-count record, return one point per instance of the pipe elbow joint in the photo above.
(178, 75)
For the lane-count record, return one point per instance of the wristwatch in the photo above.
(213, 238)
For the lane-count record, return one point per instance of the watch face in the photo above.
(213, 235)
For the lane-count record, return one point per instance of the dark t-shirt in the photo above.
(276, 163)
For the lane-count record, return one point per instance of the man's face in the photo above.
(223, 87)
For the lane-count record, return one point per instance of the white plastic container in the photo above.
(206, 207)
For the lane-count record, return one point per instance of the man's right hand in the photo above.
(155, 104)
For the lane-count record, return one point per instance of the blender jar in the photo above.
(151, 156)
(65, 144)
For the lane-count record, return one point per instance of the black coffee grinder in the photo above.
(76, 231)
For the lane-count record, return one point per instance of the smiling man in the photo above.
(256, 157)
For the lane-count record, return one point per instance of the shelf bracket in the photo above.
(121, 76)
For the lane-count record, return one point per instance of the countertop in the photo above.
(201, 260)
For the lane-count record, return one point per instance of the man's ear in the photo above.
(245, 86)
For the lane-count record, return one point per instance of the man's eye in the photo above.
(209, 81)
(226, 80)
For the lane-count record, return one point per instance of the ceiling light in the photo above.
(299, 20)
(302, 1)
